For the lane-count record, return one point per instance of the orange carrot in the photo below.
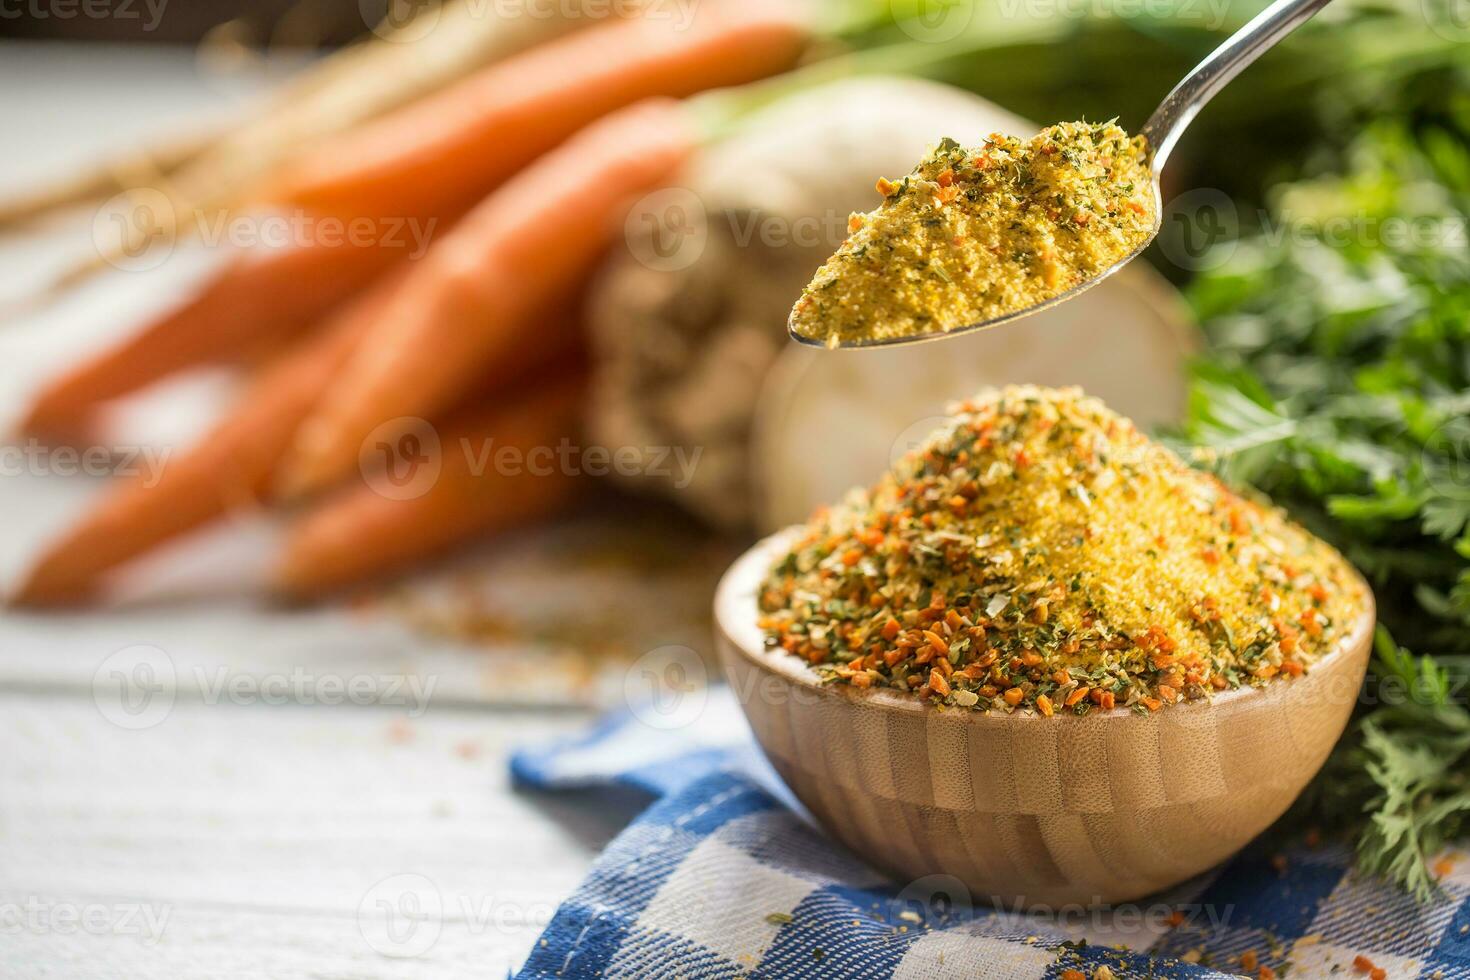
(448, 149)
(263, 292)
(229, 468)
(428, 161)
(496, 468)
(479, 298)
(234, 465)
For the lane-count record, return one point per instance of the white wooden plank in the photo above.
(254, 835)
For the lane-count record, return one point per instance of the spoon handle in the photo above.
(1179, 108)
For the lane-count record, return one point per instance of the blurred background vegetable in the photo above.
(688, 322)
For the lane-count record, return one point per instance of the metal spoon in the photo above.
(1162, 131)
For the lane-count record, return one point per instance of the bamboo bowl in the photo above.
(1044, 812)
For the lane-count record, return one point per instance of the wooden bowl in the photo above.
(1097, 809)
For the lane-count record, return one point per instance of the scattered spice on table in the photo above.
(973, 234)
(1364, 965)
(1041, 553)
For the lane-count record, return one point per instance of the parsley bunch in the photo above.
(1339, 383)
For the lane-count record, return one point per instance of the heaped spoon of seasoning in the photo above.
(975, 237)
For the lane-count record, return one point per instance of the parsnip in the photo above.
(396, 65)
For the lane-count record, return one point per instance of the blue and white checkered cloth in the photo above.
(724, 877)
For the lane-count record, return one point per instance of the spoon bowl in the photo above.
(1019, 808)
(1160, 133)
(1072, 293)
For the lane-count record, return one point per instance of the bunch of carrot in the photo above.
(526, 167)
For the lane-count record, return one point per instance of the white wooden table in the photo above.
(238, 832)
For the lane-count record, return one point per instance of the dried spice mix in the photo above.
(973, 234)
(1040, 553)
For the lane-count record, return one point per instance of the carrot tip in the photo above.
(56, 425)
(38, 592)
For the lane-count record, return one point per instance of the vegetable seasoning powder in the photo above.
(974, 234)
(1040, 553)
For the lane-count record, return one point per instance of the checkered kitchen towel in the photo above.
(723, 877)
